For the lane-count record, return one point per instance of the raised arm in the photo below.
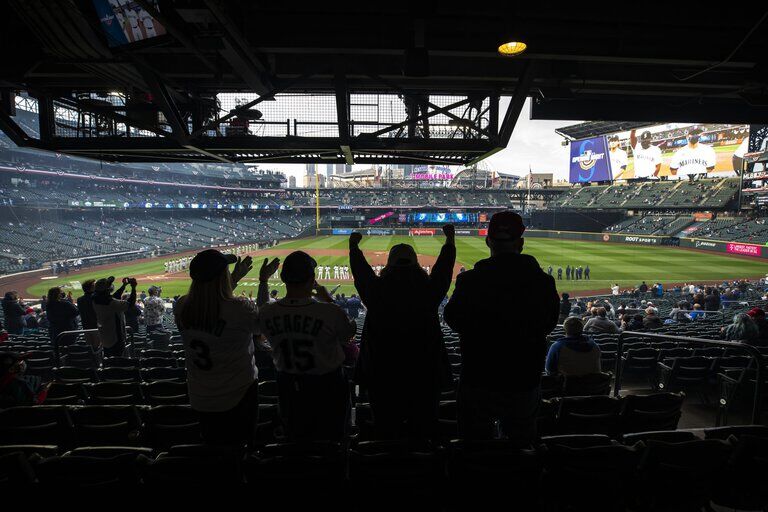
(362, 272)
(266, 270)
(442, 272)
(632, 139)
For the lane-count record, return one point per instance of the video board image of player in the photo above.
(693, 158)
(646, 157)
(126, 21)
(443, 217)
(618, 157)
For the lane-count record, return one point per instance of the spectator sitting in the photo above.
(62, 316)
(565, 307)
(678, 316)
(758, 317)
(600, 322)
(576, 354)
(13, 311)
(15, 389)
(697, 312)
(712, 301)
(742, 329)
(651, 320)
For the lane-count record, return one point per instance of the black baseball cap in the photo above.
(505, 226)
(613, 138)
(646, 135)
(207, 265)
(298, 267)
(695, 131)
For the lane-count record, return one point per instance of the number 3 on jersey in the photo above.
(203, 355)
(297, 354)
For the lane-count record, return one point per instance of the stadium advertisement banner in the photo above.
(379, 232)
(482, 232)
(465, 232)
(341, 231)
(745, 249)
(589, 161)
(421, 232)
(643, 240)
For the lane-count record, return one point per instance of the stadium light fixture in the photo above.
(512, 48)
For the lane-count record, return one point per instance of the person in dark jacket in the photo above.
(712, 300)
(575, 354)
(14, 311)
(565, 308)
(502, 337)
(758, 317)
(403, 362)
(62, 316)
(88, 314)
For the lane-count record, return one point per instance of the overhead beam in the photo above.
(238, 51)
(163, 99)
(342, 115)
(14, 132)
(519, 96)
(660, 110)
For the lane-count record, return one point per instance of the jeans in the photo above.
(516, 412)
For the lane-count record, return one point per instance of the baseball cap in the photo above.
(298, 267)
(646, 135)
(401, 255)
(695, 131)
(153, 289)
(505, 226)
(104, 284)
(208, 264)
(756, 313)
(613, 138)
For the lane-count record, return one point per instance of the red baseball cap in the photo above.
(756, 312)
(506, 226)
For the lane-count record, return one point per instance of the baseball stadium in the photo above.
(387, 251)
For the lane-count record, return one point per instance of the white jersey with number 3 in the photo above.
(220, 364)
(306, 336)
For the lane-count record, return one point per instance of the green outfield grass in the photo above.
(610, 263)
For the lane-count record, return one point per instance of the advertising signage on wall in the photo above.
(421, 232)
(744, 249)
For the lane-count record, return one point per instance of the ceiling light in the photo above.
(512, 48)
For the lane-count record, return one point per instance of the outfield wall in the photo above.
(733, 248)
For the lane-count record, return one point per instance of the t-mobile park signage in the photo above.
(745, 249)
(589, 161)
(429, 176)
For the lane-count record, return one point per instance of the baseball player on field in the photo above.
(694, 159)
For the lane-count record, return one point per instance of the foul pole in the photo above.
(317, 203)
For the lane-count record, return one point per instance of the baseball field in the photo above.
(626, 265)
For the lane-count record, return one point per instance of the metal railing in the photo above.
(63, 334)
(751, 351)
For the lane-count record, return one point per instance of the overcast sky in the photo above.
(533, 143)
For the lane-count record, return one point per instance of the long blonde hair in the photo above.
(200, 308)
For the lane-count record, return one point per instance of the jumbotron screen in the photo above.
(442, 218)
(676, 150)
(125, 22)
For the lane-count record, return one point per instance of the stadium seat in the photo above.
(743, 487)
(71, 472)
(587, 385)
(160, 374)
(658, 411)
(589, 415)
(120, 362)
(15, 470)
(680, 476)
(684, 373)
(551, 386)
(107, 425)
(193, 464)
(72, 374)
(577, 440)
(41, 424)
(158, 362)
(493, 470)
(119, 374)
(32, 451)
(268, 392)
(736, 431)
(667, 436)
(108, 452)
(166, 393)
(65, 394)
(170, 425)
(114, 393)
(590, 478)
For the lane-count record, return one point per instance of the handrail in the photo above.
(57, 339)
(752, 351)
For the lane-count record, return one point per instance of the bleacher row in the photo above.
(80, 236)
(754, 230)
(706, 193)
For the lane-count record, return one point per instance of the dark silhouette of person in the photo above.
(502, 337)
(403, 362)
